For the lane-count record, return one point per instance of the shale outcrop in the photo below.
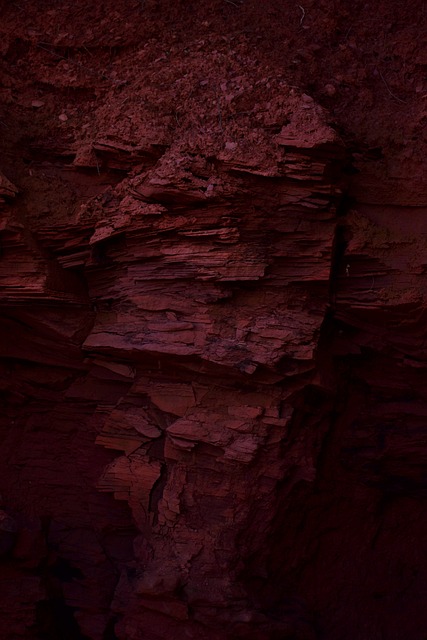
(213, 323)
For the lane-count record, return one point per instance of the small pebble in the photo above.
(37, 104)
(63, 117)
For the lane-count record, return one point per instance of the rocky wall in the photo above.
(212, 282)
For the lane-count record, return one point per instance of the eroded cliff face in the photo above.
(212, 274)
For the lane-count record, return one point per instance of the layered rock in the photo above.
(212, 344)
(207, 275)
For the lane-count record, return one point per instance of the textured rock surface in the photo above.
(212, 276)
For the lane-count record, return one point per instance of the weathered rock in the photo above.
(212, 328)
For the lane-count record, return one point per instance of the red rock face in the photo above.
(213, 322)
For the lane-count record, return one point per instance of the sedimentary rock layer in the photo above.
(212, 333)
